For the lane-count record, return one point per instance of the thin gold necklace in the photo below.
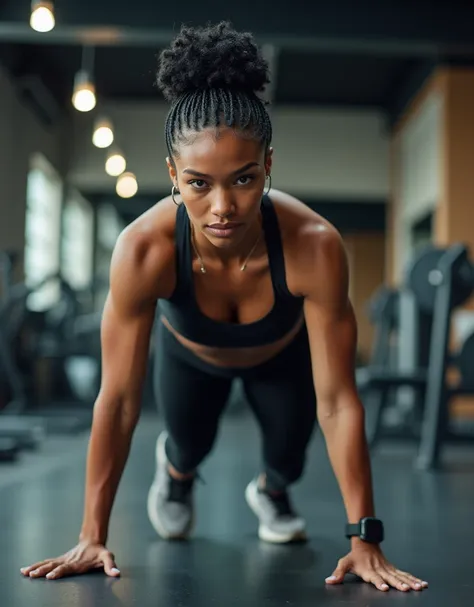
(201, 263)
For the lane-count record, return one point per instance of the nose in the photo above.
(222, 205)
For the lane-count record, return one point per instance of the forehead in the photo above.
(218, 148)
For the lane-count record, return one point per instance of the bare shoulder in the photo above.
(143, 262)
(314, 248)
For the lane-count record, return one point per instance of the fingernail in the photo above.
(50, 576)
(424, 584)
(405, 586)
(115, 570)
(331, 579)
(384, 586)
(417, 586)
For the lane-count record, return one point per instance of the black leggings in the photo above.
(192, 395)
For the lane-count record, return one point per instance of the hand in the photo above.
(81, 559)
(368, 562)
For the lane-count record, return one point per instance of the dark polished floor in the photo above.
(428, 517)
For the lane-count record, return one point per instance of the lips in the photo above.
(222, 230)
(224, 226)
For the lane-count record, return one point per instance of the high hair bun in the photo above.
(215, 56)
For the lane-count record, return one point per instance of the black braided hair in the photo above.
(212, 76)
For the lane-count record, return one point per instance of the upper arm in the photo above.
(330, 318)
(129, 312)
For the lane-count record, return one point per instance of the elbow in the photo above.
(123, 410)
(337, 405)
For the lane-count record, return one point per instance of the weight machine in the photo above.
(437, 282)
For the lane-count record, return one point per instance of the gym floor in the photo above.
(428, 520)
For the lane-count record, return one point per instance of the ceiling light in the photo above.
(115, 164)
(103, 136)
(127, 185)
(42, 16)
(84, 98)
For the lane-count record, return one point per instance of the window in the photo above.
(77, 242)
(42, 231)
(109, 227)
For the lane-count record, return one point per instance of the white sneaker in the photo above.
(278, 522)
(170, 502)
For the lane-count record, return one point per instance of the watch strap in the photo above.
(353, 529)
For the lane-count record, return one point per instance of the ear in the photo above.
(268, 161)
(172, 171)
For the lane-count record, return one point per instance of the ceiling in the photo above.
(337, 53)
(327, 53)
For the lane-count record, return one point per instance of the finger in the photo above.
(337, 577)
(44, 569)
(110, 568)
(414, 579)
(28, 570)
(376, 579)
(396, 581)
(411, 580)
(61, 571)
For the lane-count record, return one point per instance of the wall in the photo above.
(325, 153)
(366, 255)
(21, 135)
(432, 168)
(416, 158)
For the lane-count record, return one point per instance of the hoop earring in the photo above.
(174, 191)
(269, 184)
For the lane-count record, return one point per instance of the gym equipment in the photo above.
(25, 338)
(456, 284)
(25, 433)
(464, 361)
(8, 259)
(376, 381)
(438, 281)
(9, 450)
(424, 277)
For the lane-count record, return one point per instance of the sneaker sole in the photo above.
(153, 515)
(264, 532)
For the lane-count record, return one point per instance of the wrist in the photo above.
(92, 536)
(367, 531)
(358, 544)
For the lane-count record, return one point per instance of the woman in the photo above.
(251, 284)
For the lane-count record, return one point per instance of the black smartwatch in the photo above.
(368, 529)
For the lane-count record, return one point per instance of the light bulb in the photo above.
(103, 134)
(42, 16)
(84, 98)
(115, 164)
(127, 185)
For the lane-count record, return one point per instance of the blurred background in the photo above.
(373, 113)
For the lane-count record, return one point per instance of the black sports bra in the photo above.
(183, 314)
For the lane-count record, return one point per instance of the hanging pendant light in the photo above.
(84, 97)
(42, 15)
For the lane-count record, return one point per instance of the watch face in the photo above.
(372, 530)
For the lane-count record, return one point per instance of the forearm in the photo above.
(109, 447)
(344, 432)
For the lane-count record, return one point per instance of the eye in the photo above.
(197, 183)
(248, 179)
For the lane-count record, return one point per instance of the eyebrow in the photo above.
(237, 172)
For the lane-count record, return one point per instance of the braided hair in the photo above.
(212, 76)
